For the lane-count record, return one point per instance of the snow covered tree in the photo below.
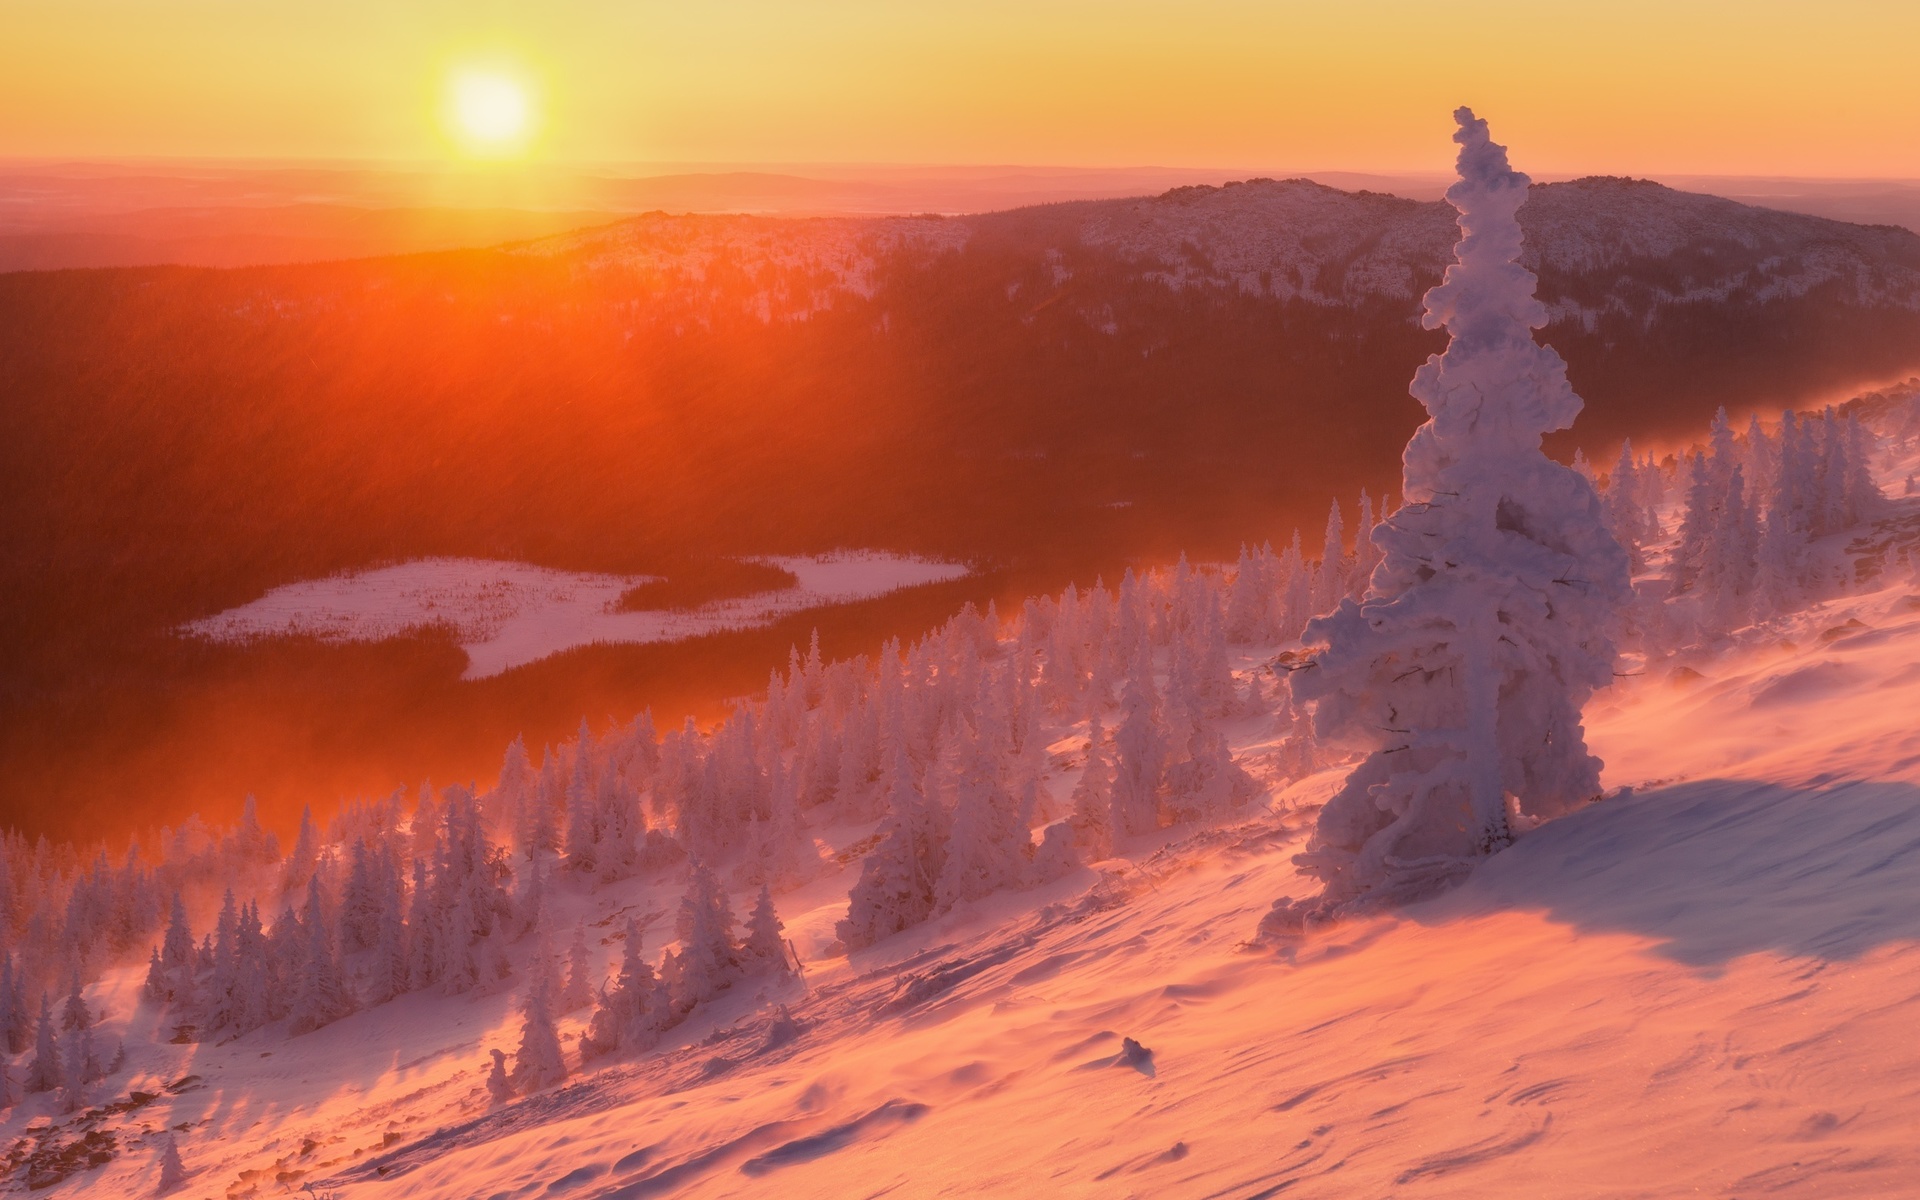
(16, 1023)
(1056, 856)
(499, 1087)
(582, 840)
(1092, 818)
(709, 959)
(764, 947)
(544, 974)
(320, 992)
(1207, 784)
(634, 1010)
(1139, 755)
(386, 975)
(1462, 674)
(257, 988)
(539, 1062)
(250, 844)
(173, 1172)
(987, 846)
(895, 888)
(535, 831)
(508, 802)
(360, 902)
(577, 993)
(305, 855)
(1622, 505)
(44, 1071)
(74, 1014)
(78, 1069)
(176, 955)
(1330, 582)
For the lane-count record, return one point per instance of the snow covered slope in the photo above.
(1705, 983)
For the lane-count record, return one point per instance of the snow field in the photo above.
(1701, 987)
(1706, 984)
(509, 614)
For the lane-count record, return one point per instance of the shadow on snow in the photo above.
(1720, 868)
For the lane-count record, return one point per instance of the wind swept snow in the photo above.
(508, 614)
(1703, 984)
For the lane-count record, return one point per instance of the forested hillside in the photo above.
(1050, 392)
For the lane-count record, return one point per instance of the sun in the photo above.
(490, 111)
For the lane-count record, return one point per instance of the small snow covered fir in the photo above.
(173, 1172)
(765, 947)
(633, 1010)
(539, 1061)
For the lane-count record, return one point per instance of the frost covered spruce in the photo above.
(1461, 674)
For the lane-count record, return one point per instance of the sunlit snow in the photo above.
(508, 614)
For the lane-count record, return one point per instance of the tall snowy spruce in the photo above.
(1486, 623)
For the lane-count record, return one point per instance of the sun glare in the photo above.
(490, 111)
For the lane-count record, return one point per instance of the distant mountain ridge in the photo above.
(1299, 239)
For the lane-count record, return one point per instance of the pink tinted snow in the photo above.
(507, 614)
(1700, 987)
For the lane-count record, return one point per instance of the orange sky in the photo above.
(1757, 87)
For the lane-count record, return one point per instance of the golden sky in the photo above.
(1620, 86)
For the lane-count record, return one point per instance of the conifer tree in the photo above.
(250, 843)
(257, 986)
(423, 931)
(300, 864)
(44, 1071)
(387, 970)
(987, 846)
(78, 1069)
(709, 959)
(539, 1062)
(533, 894)
(1330, 584)
(1092, 818)
(176, 954)
(583, 817)
(1139, 756)
(765, 947)
(507, 803)
(632, 1012)
(895, 888)
(320, 992)
(360, 903)
(1462, 675)
(16, 1023)
(1621, 504)
(173, 1172)
(578, 992)
(74, 1014)
(1697, 526)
